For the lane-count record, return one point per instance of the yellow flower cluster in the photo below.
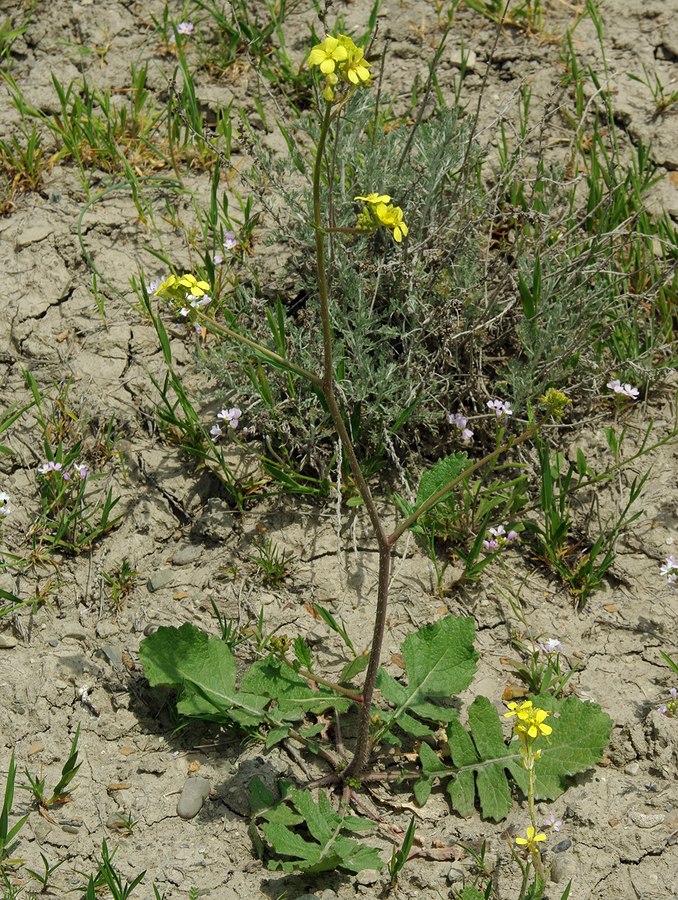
(179, 286)
(338, 57)
(378, 210)
(530, 720)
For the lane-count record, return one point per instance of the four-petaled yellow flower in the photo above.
(374, 198)
(189, 283)
(357, 67)
(532, 725)
(531, 840)
(328, 54)
(530, 720)
(392, 217)
(516, 710)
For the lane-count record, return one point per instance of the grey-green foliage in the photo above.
(395, 310)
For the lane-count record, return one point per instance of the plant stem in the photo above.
(362, 750)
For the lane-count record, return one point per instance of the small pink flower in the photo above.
(501, 408)
(49, 466)
(626, 390)
(215, 432)
(231, 416)
(553, 823)
(186, 28)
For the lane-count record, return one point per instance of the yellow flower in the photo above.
(392, 217)
(327, 55)
(520, 711)
(374, 198)
(531, 840)
(195, 287)
(531, 724)
(356, 67)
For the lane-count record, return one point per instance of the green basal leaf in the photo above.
(291, 695)
(481, 759)
(328, 848)
(440, 661)
(580, 734)
(203, 669)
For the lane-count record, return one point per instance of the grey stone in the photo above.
(7, 642)
(150, 629)
(632, 768)
(188, 554)
(193, 794)
(160, 580)
(110, 653)
(310, 896)
(454, 874)
(562, 846)
(563, 868)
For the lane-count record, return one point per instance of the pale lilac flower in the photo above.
(673, 579)
(490, 545)
(460, 421)
(5, 506)
(231, 416)
(497, 532)
(552, 823)
(230, 241)
(49, 466)
(198, 328)
(184, 312)
(153, 285)
(197, 302)
(215, 432)
(81, 470)
(670, 563)
(512, 535)
(551, 645)
(627, 390)
(186, 28)
(500, 408)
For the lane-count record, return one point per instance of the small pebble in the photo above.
(193, 794)
(150, 629)
(160, 580)
(188, 554)
(112, 654)
(632, 768)
(7, 642)
(454, 874)
(562, 846)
